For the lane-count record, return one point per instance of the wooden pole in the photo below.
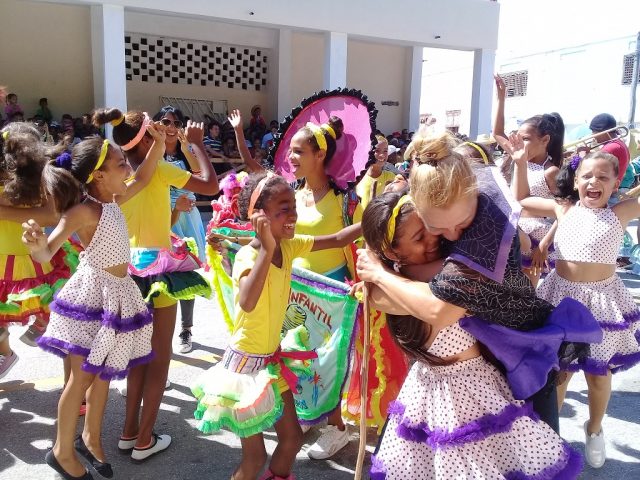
(364, 372)
(364, 377)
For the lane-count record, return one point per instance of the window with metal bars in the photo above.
(516, 83)
(627, 69)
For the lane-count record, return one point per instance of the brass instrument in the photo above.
(586, 144)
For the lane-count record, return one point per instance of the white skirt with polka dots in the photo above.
(461, 421)
(103, 318)
(617, 313)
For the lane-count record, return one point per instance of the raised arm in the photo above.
(236, 121)
(519, 152)
(191, 158)
(42, 248)
(540, 207)
(501, 93)
(627, 210)
(206, 182)
(145, 171)
(394, 294)
(251, 286)
(338, 240)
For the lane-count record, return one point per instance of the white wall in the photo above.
(46, 52)
(467, 24)
(577, 82)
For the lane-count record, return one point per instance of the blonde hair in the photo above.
(440, 176)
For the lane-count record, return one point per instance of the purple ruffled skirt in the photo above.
(461, 421)
(103, 318)
(613, 307)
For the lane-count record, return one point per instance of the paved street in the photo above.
(29, 395)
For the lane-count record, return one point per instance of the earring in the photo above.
(396, 267)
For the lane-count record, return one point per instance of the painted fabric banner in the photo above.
(328, 314)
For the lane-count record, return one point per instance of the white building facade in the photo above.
(131, 53)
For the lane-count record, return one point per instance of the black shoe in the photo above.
(103, 469)
(50, 458)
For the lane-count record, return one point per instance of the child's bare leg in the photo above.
(164, 321)
(289, 438)
(335, 418)
(562, 388)
(66, 366)
(135, 385)
(254, 456)
(5, 349)
(599, 394)
(96, 402)
(68, 408)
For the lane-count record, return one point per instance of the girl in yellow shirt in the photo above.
(249, 390)
(376, 173)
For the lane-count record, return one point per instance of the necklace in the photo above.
(311, 196)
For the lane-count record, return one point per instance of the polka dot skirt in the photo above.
(461, 421)
(98, 315)
(613, 306)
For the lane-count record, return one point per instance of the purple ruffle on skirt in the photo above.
(629, 319)
(107, 319)
(620, 362)
(568, 467)
(62, 349)
(473, 431)
(529, 356)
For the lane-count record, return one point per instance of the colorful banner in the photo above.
(328, 314)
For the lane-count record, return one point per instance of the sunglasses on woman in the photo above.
(166, 122)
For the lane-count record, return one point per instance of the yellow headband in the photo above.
(317, 132)
(5, 135)
(391, 227)
(329, 129)
(117, 121)
(480, 150)
(101, 159)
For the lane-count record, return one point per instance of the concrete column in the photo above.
(335, 60)
(283, 80)
(107, 49)
(414, 90)
(482, 92)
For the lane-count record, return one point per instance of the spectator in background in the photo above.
(86, 128)
(267, 139)
(257, 125)
(616, 147)
(213, 145)
(43, 111)
(230, 148)
(13, 110)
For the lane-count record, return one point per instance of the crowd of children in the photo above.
(457, 298)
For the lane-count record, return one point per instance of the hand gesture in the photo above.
(157, 132)
(184, 204)
(216, 242)
(235, 119)
(368, 266)
(194, 132)
(515, 147)
(184, 143)
(501, 87)
(33, 236)
(539, 256)
(262, 227)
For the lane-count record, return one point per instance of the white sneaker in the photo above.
(330, 442)
(594, 448)
(160, 443)
(127, 445)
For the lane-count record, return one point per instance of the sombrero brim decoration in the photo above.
(353, 153)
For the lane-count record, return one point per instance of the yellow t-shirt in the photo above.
(324, 218)
(148, 214)
(363, 189)
(258, 331)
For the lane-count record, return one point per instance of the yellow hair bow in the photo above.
(391, 226)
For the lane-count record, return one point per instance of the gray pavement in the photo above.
(30, 392)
